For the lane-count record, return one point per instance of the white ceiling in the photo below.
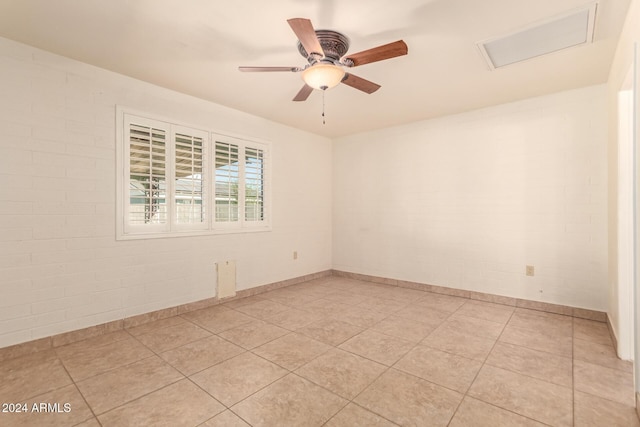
(195, 47)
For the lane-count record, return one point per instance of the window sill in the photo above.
(192, 233)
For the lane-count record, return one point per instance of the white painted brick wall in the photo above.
(60, 266)
(467, 201)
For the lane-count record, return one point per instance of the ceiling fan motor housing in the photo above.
(334, 44)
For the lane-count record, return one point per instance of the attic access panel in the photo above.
(560, 32)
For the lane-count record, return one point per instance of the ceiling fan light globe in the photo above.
(323, 76)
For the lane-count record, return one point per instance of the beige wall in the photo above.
(468, 201)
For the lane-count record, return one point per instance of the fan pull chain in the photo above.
(323, 121)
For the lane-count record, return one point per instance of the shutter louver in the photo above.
(147, 175)
(226, 182)
(254, 184)
(189, 183)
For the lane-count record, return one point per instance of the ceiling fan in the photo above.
(326, 52)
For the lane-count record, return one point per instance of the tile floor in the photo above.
(333, 352)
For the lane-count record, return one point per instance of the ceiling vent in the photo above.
(560, 32)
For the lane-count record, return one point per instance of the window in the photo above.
(175, 180)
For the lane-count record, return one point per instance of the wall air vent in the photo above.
(560, 32)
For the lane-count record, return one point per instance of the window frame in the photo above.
(171, 228)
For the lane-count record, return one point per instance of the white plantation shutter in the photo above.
(240, 183)
(190, 201)
(254, 184)
(227, 182)
(147, 172)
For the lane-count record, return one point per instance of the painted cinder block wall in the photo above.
(61, 268)
(467, 201)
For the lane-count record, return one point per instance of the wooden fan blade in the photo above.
(379, 53)
(360, 83)
(307, 35)
(304, 93)
(259, 69)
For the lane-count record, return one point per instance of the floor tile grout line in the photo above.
(245, 350)
(601, 365)
(143, 395)
(299, 376)
(283, 367)
(347, 401)
(239, 416)
(124, 366)
(128, 329)
(601, 398)
(155, 354)
(110, 369)
(534, 348)
(54, 389)
(57, 349)
(506, 410)
(75, 383)
(262, 388)
(527, 375)
(158, 353)
(77, 389)
(246, 397)
(366, 409)
(484, 362)
(389, 367)
(204, 369)
(352, 400)
(465, 394)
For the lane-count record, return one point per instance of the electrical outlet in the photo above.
(530, 270)
(295, 254)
